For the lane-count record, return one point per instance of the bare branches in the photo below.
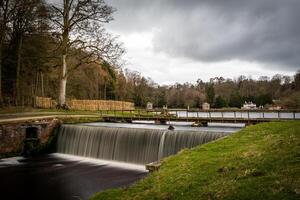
(78, 25)
(57, 10)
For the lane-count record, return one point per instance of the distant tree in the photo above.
(263, 99)
(235, 100)
(160, 97)
(297, 80)
(121, 83)
(248, 98)
(220, 102)
(210, 93)
(292, 101)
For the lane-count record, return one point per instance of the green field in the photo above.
(258, 162)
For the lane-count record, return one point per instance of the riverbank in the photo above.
(258, 162)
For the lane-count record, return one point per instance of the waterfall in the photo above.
(161, 145)
(132, 145)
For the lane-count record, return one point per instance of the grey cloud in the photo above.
(264, 31)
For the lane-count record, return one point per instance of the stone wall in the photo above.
(13, 135)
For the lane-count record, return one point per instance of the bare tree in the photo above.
(78, 25)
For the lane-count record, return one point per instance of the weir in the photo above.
(131, 145)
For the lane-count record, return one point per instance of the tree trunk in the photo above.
(42, 84)
(1, 45)
(63, 82)
(104, 91)
(19, 57)
(65, 43)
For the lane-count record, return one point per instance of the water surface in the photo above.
(55, 177)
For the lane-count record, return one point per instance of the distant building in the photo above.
(149, 106)
(249, 106)
(274, 107)
(205, 106)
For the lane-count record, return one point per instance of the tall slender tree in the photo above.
(78, 24)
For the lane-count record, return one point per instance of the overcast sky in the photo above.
(183, 40)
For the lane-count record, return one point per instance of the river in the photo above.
(68, 177)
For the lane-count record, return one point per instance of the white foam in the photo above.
(11, 161)
(101, 162)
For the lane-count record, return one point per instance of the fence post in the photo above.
(222, 114)
(234, 116)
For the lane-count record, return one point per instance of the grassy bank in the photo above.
(258, 162)
(81, 120)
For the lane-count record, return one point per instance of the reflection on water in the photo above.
(56, 177)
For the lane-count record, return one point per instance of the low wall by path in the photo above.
(13, 135)
(90, 105)
(44, 102)
(94, 105)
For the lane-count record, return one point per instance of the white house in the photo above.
(149, 106)
(249, 105)
(205, 106)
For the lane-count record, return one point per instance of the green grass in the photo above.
(81, 120)
(258, 162)
(38, 111)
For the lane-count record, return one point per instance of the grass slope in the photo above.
(258, 162)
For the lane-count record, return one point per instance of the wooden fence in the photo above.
(99, 105)
(44, 102)
(92, 105)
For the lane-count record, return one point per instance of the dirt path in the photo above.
(20, 117)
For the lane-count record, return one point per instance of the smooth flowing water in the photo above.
(61, 177)
(131, 145)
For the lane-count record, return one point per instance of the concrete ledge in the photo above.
(154, 166)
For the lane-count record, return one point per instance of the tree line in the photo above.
(62, 50)
(219, 92)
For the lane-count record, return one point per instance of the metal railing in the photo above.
(208, 114)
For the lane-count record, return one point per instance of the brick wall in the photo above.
(12, 136)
